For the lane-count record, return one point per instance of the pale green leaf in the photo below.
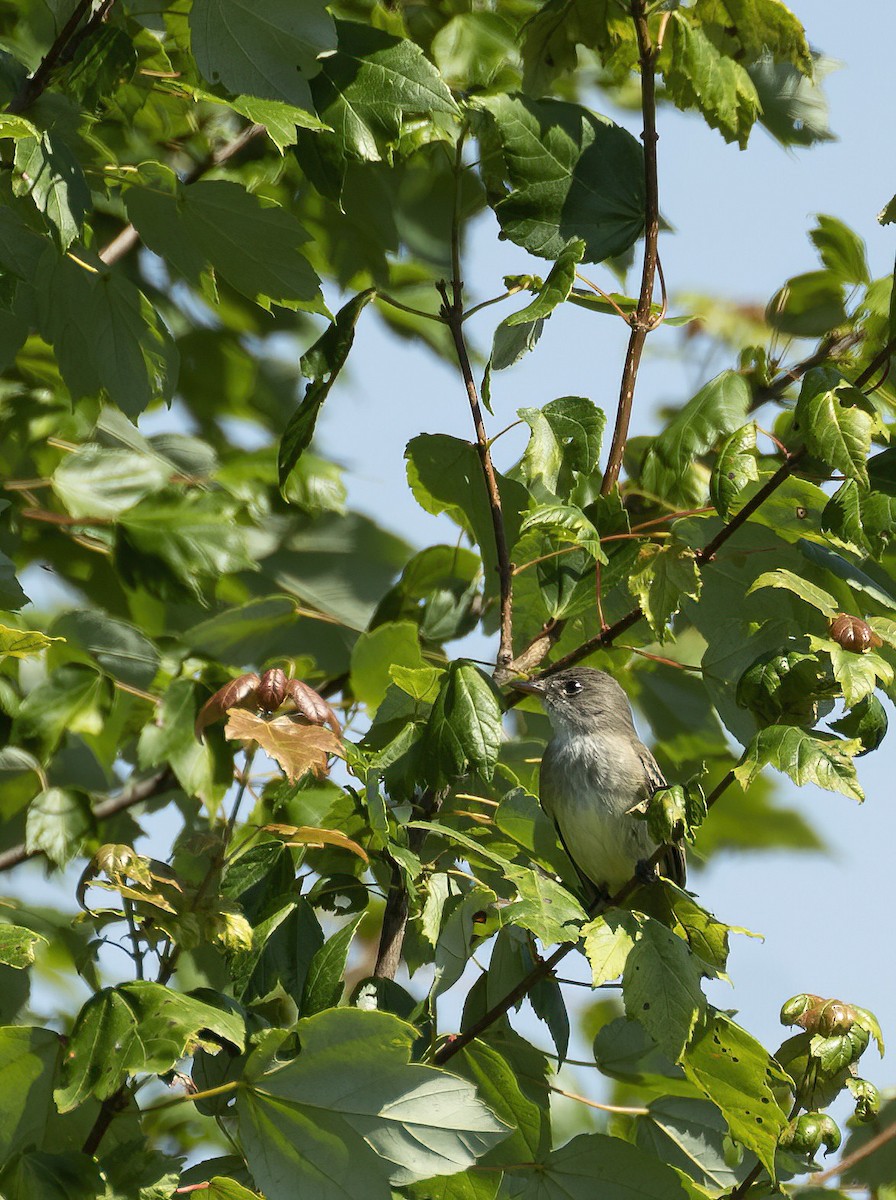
(17, 945)
(810, 592)
(661, 987)
(805, 757)
(662, 577)
(734, 468)
(835, 426)
(464, 728)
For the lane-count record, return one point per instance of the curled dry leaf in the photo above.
(267, 693)
(297, 747)
(311, 835)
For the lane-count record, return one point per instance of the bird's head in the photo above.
(581, 699)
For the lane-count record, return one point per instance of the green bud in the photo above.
(866, 1096)
(793, 1011)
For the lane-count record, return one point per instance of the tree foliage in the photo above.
(188, 189)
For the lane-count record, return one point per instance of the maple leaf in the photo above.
(296, 747)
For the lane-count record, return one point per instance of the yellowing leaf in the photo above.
(22, 643)
(311, 835)
(297, 748)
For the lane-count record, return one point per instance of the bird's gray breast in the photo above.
(588, 785)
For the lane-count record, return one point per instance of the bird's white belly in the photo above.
(605, 846)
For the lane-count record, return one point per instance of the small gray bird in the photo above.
(594, 771)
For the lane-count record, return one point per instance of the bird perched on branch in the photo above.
(595, 770)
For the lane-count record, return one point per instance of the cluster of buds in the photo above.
(268, 693)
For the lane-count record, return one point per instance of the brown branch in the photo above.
(395, 916)
(125, 241)
(546, 966)
(37, 83)
(143, 790)
(641, 320)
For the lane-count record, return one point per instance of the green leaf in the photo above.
(324, 982)
(96, 482)
(556, 287)
(464, 727)
(120, 649)
(105, 333)
(200, 769)
(719, 408)
(67, 700)
(49, 172)
(608, 942)
(857, 579)
(594, 1164)
(392, 646)
(57, 821)
(11, 594)
(794, 106)
(761, 26)
(252, 244)
(497, 1086)
(865, 520)
(322, 362)
(692, 1136)
(564, 444)
(511, 343)
(698, 75)
(834, 426)
(810, 592)
(23, 643)
(273, 58)
(804, 757)
(370, 85)
(177, 541)
(808, 305)
(841, 250)
(569, 524)
(733, 1071)
(473, 48)
(867, 722)
(662, 577)
(555, 171)
(445, 475)
(734, 468)
(857, 674)
(661, 987)
(40, 1173)
(351, 1114)
(28, 1059)
(17, 946)
(138, 1027)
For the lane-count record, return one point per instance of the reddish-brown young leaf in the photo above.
(240, 692)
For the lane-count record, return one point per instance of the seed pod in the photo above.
(854, 634)
(794, 1010)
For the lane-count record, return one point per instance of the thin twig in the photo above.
(840, 1168)
(453, 316)
(544, 968)
(37, 83)
(640, 320)
(395, 916)
(621, 1109)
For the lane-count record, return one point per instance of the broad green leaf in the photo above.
(794, 105)
(556, 287)
(857, 579)
(810, 592)
(100, 482)
(11, 594)
(497, 1086)
(325, 979)
(857, 674)
(808, 305)
(867, 722)
(66, 1176)
(555, 171)
(510, 344)
(692, 1135)
(420, 683)
(48, 171)
(367, 89)
(474, 48)
(351, 1114)
(662, 577)
(445, 475)
(698, 75)
(865, 519)
(280, 120)
(57, 821)
(23, 643)
(761, 26)
(719, 408)
(376, 654)
(569, 524)
(120, 649)
(200, 769)
(624, 1050)
(841, 250)
(106, 334)
(805, 757)
(594, 1164)
(734, 468)
(458, 923)
(138, 1027)
(322, 363)
(17, 945)
(608, 942)
(564, 443)
(661, 987)
(177, 542)
(553, 32)
(464, 728)
(67, 700)
(733, 1071)
(273, 58)
(834, 426)
(521, 817)
(253, 245)
(28, 1060)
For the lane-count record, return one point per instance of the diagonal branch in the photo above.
(641, 320)
(546, 966)
(37, 83)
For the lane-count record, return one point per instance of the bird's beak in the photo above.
(533, 687)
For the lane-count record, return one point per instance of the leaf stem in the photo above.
(641, 320)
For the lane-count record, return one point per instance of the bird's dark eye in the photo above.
(571, 687)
